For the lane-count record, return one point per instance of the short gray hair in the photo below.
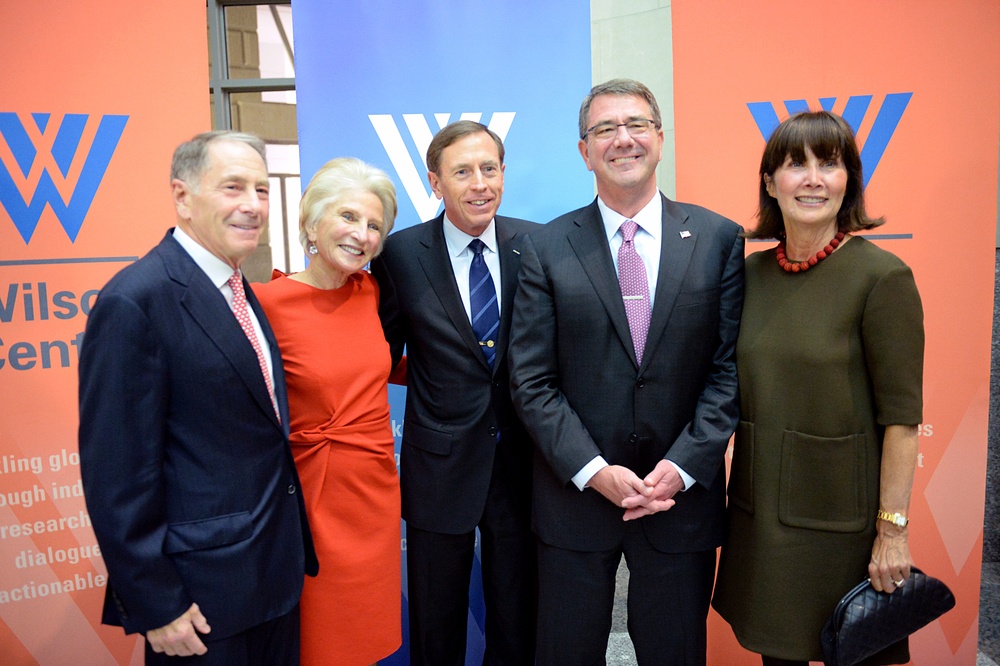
(618, 87)
(191, 157)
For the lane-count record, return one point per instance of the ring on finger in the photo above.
(898, 583)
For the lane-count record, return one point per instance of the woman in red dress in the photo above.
(337, 367)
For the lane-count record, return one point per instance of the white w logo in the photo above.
(425, 204)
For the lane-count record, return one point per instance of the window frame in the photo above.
(221, 86)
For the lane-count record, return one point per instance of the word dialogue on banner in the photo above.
(48, 544)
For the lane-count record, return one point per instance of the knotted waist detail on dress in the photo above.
(374, 436)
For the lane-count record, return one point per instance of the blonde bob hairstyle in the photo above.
(337, 178)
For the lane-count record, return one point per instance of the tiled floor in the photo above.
(620, 651)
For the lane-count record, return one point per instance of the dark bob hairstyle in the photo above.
(829, 137)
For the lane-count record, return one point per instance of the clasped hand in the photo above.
(639, 497)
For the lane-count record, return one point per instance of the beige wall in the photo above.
(634, 40)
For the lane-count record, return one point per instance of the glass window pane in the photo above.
(283, 164)
(274, 35)
(273, 121)
(242, 43)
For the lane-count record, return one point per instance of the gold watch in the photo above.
(897, 519)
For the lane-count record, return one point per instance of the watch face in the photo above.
(896, 519)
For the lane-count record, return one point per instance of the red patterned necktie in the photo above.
(635, 287)
(243, 316)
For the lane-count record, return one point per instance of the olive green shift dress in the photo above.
(826, 359)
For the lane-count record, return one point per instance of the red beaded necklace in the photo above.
(801, 266)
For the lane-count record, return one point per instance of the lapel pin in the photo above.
(517, 252)
(685, 234)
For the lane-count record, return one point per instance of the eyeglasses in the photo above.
(605, 131)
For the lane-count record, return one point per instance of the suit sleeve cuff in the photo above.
(685, 477)
(583, 477)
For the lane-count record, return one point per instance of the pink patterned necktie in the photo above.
(243, 316)
(635, 287)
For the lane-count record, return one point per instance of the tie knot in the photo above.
(628, 230)
(477, 246)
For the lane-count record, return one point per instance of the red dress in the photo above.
(337, 366)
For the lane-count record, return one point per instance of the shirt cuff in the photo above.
(583, 477)
(685, 477)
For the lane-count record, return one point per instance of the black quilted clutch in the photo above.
(866, 621)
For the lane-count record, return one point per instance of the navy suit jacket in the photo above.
(455, 404)
(187, 472)
(580, 392)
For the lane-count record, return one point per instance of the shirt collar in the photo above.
(650, 218)
(216, 269)
(457, 240)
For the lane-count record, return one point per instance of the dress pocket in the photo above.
(741, 470)
(823, 482)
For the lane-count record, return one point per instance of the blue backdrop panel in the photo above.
(377, 79)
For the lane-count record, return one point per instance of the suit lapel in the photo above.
(207, 306)
(510, 265)
(590, 244)
(437, 266)
(676, 251)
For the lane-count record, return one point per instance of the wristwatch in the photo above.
(897, 519)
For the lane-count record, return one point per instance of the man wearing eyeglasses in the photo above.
(623, 371)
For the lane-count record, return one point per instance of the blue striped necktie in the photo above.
(483, 301)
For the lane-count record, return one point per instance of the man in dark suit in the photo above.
(446, 292)
(623, 371)
(184, 454)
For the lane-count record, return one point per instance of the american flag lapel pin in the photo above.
(685, 234)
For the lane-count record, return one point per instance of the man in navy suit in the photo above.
(623, 370)
(186, 468)
(466, 460)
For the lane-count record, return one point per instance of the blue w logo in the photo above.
(854, 112)
(62, 143)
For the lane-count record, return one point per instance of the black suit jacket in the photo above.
(187, 472)
(455, 404)
(581, 394)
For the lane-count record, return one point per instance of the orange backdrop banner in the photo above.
(920, 82)
(94, 97)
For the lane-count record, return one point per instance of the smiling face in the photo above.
(624, 165)
(809, 192)
(348, 235)
(469, 178)
(226, 210)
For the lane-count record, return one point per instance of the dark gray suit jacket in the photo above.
(580, 393)
(455, 404)
(187, 472)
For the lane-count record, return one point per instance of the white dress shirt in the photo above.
(648, 240)
(461, 258)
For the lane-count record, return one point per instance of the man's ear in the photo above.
(435, 182)
(181, 193)
(585, 153)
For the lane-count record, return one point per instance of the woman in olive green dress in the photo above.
(830, 362)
